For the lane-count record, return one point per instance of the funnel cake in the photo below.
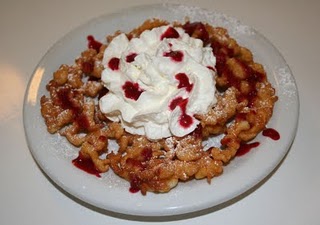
(245, 102)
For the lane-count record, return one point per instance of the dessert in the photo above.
(154, 74)
(160, 91)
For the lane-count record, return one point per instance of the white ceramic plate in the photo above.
(54, 154)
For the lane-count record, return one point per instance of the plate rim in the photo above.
(135, 212)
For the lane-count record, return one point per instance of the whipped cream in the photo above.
(158, 82)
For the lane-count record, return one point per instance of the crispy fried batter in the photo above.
(245, 104)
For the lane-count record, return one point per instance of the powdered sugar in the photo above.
(62, 148)
(286, 82)
(170, 143)
(195, 13)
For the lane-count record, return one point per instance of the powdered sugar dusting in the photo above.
(170, 143)
(195, 13)
(111, 180)
(62, 148)
(287, 86)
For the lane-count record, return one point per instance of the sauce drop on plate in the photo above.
(86, 165)
(245, 148)
(271, 133)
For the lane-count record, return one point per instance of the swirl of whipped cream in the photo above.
(158, 82)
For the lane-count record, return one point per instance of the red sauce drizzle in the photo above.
(221, 57)
(176, 56)
(86, 165)
(134, 163)
(102, 138)
(65, 96)
(146, 154)
(241, 116)
(271, 133)
(82, 121)
(113, 63)
(138, 164)
(211, 68)
(197, 30)
(245, 148)
(132, 90)
(252, 78)
(170, 33)
(94, 44)
(65, 100)
(135, 183)
(184, 81)
(87, 67)
(130, 57)
(175, 102)
(185, 120)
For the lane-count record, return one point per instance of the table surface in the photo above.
(28, 29)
